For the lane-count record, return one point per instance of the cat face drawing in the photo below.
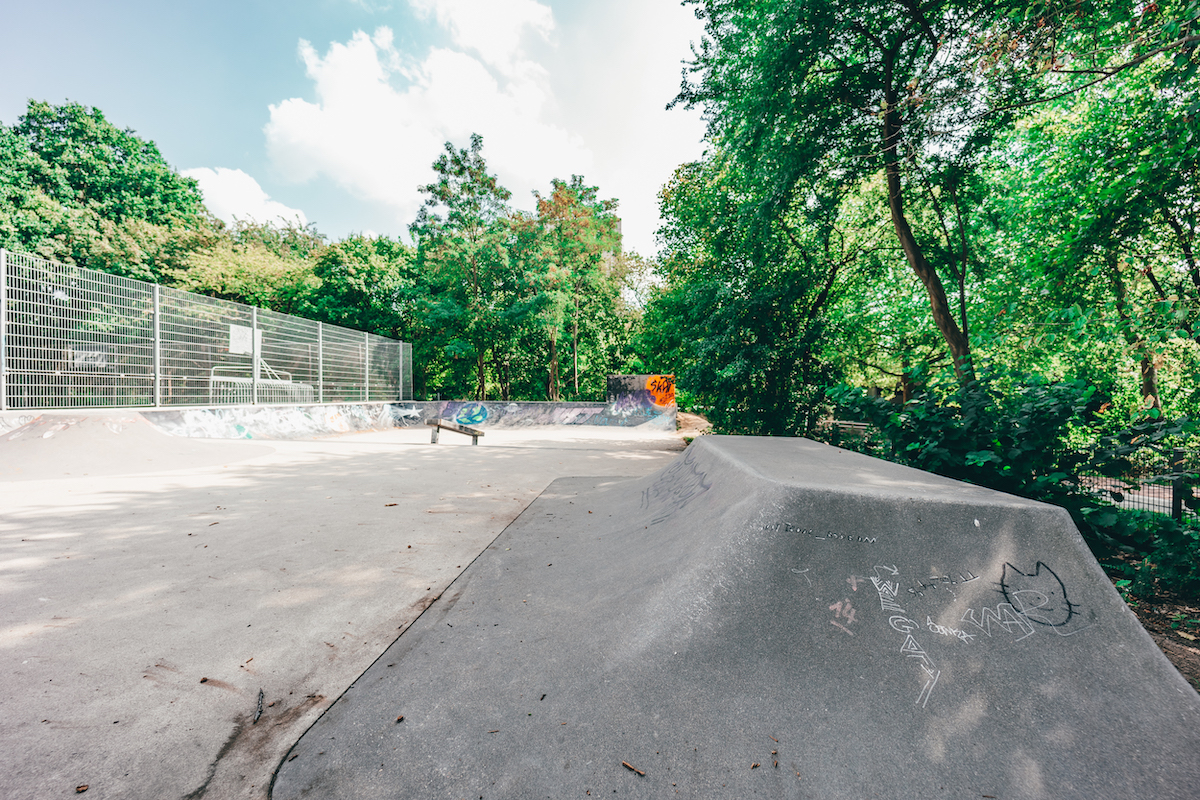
(1040, 596)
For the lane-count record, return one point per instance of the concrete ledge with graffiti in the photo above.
(633, 400)
(276, 422)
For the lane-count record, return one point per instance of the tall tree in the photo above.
(76, 188)
(795, 89)
(914, 91)
(461, 233)
(581, 230)
(1102, 194)
(93, 164)
(743, 317)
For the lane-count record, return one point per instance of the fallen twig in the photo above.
(632, 767)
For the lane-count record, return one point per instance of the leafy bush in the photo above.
(1014, 440)
(1022, 434)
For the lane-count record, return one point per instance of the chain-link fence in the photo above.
(77, 338)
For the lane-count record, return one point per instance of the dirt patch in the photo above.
(691, 425)
(254, 747)
(1175, 628)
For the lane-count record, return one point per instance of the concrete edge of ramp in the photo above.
(769, 617)
(432, 601)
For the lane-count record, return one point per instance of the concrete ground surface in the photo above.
(153, 608)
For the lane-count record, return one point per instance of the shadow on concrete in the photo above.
(142, 614)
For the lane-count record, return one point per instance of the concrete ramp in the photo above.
(103, 442)
(767, 618)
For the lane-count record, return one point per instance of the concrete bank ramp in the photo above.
(103, 442)
(767, 618)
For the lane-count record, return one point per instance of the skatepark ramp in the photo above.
(774, 618)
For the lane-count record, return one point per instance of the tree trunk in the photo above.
(1146, 364)
(943, 317)
(552, 383)
(1149, 371)
(481, 381)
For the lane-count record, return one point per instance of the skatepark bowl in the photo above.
(556, 612)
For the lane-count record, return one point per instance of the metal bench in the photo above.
(449, 425)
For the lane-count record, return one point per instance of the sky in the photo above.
(333, 111)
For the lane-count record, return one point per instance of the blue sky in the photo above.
(335, 109)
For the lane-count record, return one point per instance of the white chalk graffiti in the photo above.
(803, 572)
(941, 582)
(820, 536)
(942, 630)
(1005, 617)
(887, 593)
(888, 590)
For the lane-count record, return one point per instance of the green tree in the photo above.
(581, 230)
(260, 264)
(90, 163)
(1101, 194)
(743, 317)
(461, 233)
(366, 283)
(795, 89)
(78, 189)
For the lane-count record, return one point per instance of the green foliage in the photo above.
(257, 264)
(87, 162)
(1019, 434)
(1004, 431)
(744, 315)
(1168, 552)
(75, 188)
(509, 297)
(582, 237)
(461, 234)
(366, 283)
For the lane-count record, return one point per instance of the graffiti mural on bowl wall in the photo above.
(632, 400)
(641, 396)
(472, 414)
(661, 389)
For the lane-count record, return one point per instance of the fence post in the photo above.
(1178, 485)
(320, 362)
(254, 355)
(399, 370)
(366, 366)
(157, 351)
(3, 329)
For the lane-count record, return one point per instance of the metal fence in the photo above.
(1160, 484)
(77, 338)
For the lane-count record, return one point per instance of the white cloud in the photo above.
(230, 193)
(582, 93)
(492, 28)
(378, 141)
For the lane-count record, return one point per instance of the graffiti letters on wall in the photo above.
(632, 400)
